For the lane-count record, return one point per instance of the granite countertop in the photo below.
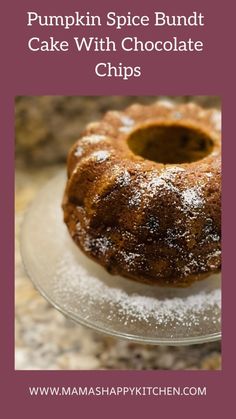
(46, 340)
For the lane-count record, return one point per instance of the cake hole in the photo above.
(170, 144)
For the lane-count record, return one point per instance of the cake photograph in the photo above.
(118, 232)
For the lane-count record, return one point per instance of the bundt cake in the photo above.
(143, 192)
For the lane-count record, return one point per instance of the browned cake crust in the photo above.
(157, 222)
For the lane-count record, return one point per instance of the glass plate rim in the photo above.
(212, 337)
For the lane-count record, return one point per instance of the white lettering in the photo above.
(66, 21)
(95, 44)
(135, 44)
(119, 21)
(124, 72)
(32, 17)
(195, 19)
(35, 44)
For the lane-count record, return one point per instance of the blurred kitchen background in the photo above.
(45, 128)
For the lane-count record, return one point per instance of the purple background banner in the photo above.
(211, 72)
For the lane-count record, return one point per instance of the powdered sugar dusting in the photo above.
(79, 151)
(100, 156)
(192, 198)
(102, 244)
(130, 258)
(157, 183)
(165, 103)
(127, 123)
(170, 172)
(123, 179)
(148, 186)
(86, 141)
(93, 139)
(135, 198)
(126, 306)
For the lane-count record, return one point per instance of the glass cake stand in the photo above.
(86, 293)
